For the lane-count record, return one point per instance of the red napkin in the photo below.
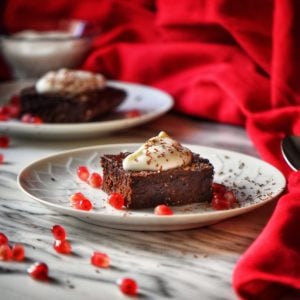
(224, 60)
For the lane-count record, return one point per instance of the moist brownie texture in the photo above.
(67, 108)
(143, 189)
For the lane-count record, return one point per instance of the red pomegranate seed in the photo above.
(84, 204)
(62, 247)
(95, 180)
(36, 120)
(218, 188)
(1, 158)
(4, 117)
(59, 232)
(18, 252)
(15, 99)
(38, 271)
(133, 113)
(4, 141)
(83, 173)
(5, 252)
(163, 210)
(224, 200)
(3, 239)
(28, 118)
(100, 260)
(128, 286)
(116, 200)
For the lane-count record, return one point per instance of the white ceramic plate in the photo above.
(53, 179)
(151, 102)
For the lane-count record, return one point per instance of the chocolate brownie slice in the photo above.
(67, 108)
(143, 189)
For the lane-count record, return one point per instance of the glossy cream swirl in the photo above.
(69, 81)
(158, 154)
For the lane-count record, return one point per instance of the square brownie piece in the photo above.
(68, 108)
(144, 189)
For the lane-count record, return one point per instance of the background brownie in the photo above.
(67, 108)
(142, 189)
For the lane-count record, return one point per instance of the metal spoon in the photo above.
(290, 148)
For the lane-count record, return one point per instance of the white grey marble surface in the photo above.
(191, 264)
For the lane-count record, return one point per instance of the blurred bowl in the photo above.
(32, 52)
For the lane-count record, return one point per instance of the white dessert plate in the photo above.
(150, 102)
(53, 179)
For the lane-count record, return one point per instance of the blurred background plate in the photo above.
(149, 102)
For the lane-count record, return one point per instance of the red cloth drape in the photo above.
(229, 61)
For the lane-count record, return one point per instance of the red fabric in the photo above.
(225, 60)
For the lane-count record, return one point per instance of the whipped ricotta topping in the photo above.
(158, 154)
(69, 81)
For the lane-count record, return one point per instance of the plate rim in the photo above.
(63, 127)
(177, 216)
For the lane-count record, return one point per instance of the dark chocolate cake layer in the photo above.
(143, 189)
(67, 108)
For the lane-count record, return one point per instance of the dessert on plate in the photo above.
(70, 96)
(161, 171)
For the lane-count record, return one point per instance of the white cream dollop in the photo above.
(69, 81)
(158, 154)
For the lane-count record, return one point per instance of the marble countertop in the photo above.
(190, 264)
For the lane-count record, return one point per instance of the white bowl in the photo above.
(31, 53)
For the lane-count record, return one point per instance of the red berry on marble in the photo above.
(95, 180)
(163, 210)
(133, 113)
(84, 204)
(3, 239)
(128, 286)
(5, 252)
(1, 158)
(38, 271)
(62, 247)
(59, 232)
(83, 173)
(116, 200)
(100, 260)
(18, 252)
(77, 197)
(4, 141)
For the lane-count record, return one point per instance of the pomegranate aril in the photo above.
(26, 118)
(4, 117)
(163, 210)
(18, 252)
(100, 260)
(3, 239)
(36, 120)
(218, 202)
(218, 188)
(1, 158)
(14, 100)
(5, 252)
(59, 232)
(84, 204)
(4, 141)
(116, 200)
(128, 286)
(133, 113)
(38, 271)
(95, 180)
(83, 173)
(77, 197)
(62, 247)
